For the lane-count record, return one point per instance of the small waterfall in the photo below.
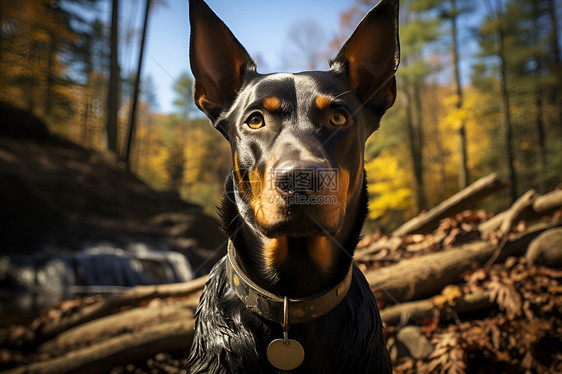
(31, 281)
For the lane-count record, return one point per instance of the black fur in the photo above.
(231, 339)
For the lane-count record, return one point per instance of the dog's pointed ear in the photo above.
(370, 57)
(218, 61)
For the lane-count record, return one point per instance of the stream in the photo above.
(29, 282)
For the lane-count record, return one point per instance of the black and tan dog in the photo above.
(287, 295)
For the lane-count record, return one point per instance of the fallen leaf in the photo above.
(447, 296)
(507, 298)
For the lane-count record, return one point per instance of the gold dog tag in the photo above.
(285, 356)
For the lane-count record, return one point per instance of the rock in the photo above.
(417, 344)
(396, 349)
(18, 123)
(546, 249)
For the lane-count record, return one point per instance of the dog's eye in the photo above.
(255, 121)
(338, 119)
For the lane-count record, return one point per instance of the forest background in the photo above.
(448, 127)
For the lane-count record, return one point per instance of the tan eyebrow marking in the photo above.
(323, 102)
(271, 103)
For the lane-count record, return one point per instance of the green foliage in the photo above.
(423, 125)
(183, 88)
(531, 79)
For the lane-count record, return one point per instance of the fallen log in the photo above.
(514, 213)
(548, 203)
(512, 216)
(542, 205)
(109, 305)
(418, 310)
(425, 276)
(113, 325)
(391, 243)
(546, 249)
(460, 201)
(127, 348)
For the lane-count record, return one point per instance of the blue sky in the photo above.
(261, 26)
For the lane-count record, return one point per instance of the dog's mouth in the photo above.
(297, 220)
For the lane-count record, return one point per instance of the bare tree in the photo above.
(496, 13)
(555, 47)
(132, 117)
(113, 93)
(463, 166)
(309, 43)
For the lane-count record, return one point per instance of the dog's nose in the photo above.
(302, 176)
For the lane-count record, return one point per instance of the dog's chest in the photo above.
(234, 338)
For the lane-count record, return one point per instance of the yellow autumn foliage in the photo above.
(194, 161)
(390, 173)
(389, 184)
(33, 36)
(478, 129)
(442, 150)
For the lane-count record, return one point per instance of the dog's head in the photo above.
(297, 139)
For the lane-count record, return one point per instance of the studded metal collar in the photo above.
(270, 306)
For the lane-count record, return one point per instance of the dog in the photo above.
(287, 296)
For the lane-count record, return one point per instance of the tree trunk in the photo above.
(415, 151)
(433, 116)
(419, 139)
(30, 82)
(506, 116)
(48, 100)
(555, 47)
(148, 141)
(113, 325)
(541, 206)
(85, 118)
(419, 310)
(131, 297)
(539, 104)
(128, 348)
(463, 165)
(546, 249)
(113, 92)
(132, 117)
